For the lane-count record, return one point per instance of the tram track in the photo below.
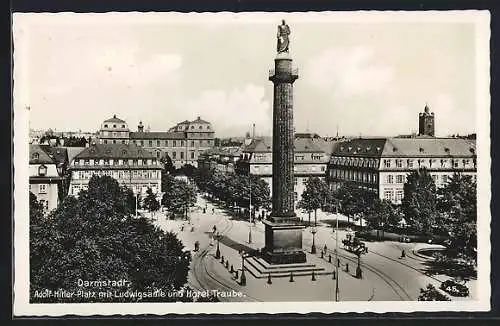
(207, 280)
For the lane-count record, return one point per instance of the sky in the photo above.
(357, 76)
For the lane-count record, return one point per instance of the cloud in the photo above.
(234, 111)
(348, 72)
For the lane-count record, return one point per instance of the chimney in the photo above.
(253, 131)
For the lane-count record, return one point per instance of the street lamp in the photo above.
(360, 251)
(217, 251)
(336, 253)
(243, 279)
(313, 247)
(250, 210)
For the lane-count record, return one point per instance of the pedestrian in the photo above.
(213, 210)
(214, 229)
(403, 254)
(325, 248)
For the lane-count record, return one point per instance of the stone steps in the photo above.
(259, 268)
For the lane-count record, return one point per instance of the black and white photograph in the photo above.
(174, 163)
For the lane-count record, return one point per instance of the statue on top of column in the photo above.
(283, 39)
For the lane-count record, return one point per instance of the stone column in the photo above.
(283, 234)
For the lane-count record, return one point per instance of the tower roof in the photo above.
(115, 119)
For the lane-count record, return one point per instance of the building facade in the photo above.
(131, 165)
(114, 131)
(222, 159)
(383, 164)
(183, 143)
(46, 175)
(311, 158)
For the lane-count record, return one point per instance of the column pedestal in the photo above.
(283, 243)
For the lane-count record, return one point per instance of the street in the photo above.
(386, 276)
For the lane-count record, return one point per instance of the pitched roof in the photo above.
(411, 147)
(264, 145)
(39, 156)
(157, 135)
(58, 154)
(115, 119)
(199, 120)
(124, 151)
(429, 147)
(366, 147)
(73, 151)
(328, 146)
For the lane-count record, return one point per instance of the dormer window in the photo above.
(105, 126)
(395, 149)
(472, 150)
(42, 170)
(446, 149)
(124, 152)
(421, 150)
(35, 156)
(123, 126)
(114, 126)
(208, 127)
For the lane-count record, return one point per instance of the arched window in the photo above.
(42, 170)
(35, 156)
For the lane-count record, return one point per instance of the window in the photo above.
(123, 141)
(444, 178)
(158, 143)
(174, 154)
(42, 188)
(150, 143)
(399, 163)
(174, 143)
(390, 178)
(295, 181)
(42, 170)
(399, 195)
(387, 163)
(192, 127)
(182, 155)
(435, 178)
(182, 143)
(142, 142)
(400, 178)
(105, 141)
(208, 127)
(295, 196)
(455, 163)
(442, 163)
(114, 126)
(114, 141)
(322, 169)
(106, 162)
(192, 155)
(35, 156)
(86, 162)
(388, 194)
(192, 143)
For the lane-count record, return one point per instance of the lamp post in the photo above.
(250, 210)
(217, 251)
(243, 279)
(313, 247)
(336, 253)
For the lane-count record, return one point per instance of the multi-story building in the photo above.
(46, 179)
(311, 159)
(114, 131)
(183, 143)
(131, 165)
(382, 164)
(222, 159)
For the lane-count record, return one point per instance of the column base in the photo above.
(283, 242)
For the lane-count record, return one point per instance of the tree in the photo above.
(150, 202)
(314, 196)
(419, 202)
(36, 208)
(355, 202)
(382, 214)
(457, 205)
(432, 294)
(96, 237)
(179, 197)
(167, 163)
